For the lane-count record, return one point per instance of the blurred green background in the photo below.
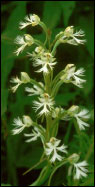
(18, 156)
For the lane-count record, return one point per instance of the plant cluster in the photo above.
(55, 152)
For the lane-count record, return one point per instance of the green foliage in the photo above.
(30, 158)
(89, 32)
(57, 15)
(67, 10)
(5, 185)
(8, 47)
(60, 100)
(49, 7)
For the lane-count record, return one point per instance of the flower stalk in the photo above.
(44, 175)
(43, 58)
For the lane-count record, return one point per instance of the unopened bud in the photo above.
(73, 110)
(27, 120)
(69, 66)
(35, 20)
(73, 158)
(69, 31)
(29, 39)
(25, 77)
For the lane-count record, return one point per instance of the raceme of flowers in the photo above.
(43, 58)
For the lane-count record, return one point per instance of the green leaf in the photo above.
(45, 173)
(89, 181)
(67, 8)
(8, 36)
(89, 30)
(5, 185)
(8, 47)
(63, 99)
(31, 157)
(4, 96)
(38, 165)
(89, 79)
(55, 168)
(51, 14)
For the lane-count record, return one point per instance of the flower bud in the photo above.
(52, 140)
(35, 20)
(69, 31)
(59, 34)
(73, 158)
(27, 120)
(39, 49)
(68, 67)
(29, 39)
(25, 77)
(73, 110)
(57, 111)
(68, 72)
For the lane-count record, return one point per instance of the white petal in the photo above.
(17, 130)
(22, 25)
(18, 122)
(62, 149)
(84, 114)
(31, 139)
(81, 124)
(20, 49)
(79, 41)
(80, 33)
(14, 88)
(83, 163)
(48, 151)
(72, 42)
(20, 40)
(80, 72)
(55, 156)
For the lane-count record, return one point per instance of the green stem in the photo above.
(76, 183)
(57, 78)
(35, 166)
(56, 39)
(66, 138)
(76, 127)
(78, 132)
(54, 127)
(46, 31)
(47, 79)
(90, 151)
(55, 46)
(44, 175)
(12, 175)
(56, 88)
(32, 81)
(55, 130)
(49, 123)
(59, 165)
(39, 43)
